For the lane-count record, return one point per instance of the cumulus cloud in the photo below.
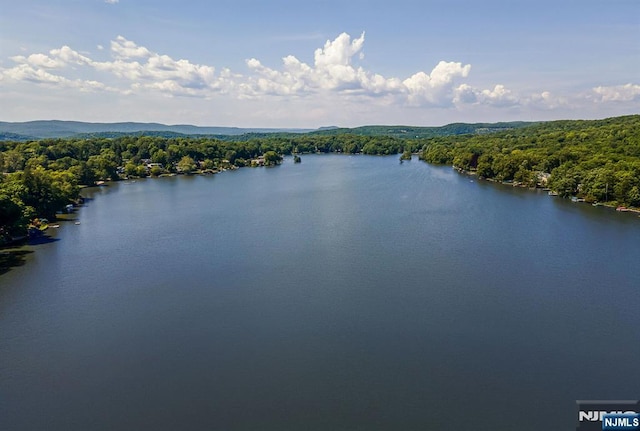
(334, 74)
(147, 69)
(435, 88)
(334, 70)
(39, 60)
(139, 66)
(499, 96)
(547, 100)
(617, 93)
(125, 49)
(56, 59)
(28, 73)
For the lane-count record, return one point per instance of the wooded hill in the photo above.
(598, 161)
(31, 130)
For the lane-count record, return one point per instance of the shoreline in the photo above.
(574, 199)
(14, 252)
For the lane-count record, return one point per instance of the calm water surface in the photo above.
(343, 293)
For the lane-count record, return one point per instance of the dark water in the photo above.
(344, 293)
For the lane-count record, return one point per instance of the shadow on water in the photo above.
(44, 239)
(12, 258)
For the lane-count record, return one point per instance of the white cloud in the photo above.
(153, 71)
(28, 73)
(435, 88)
(125, 49)
(499, 96)
(70, 56)
(548, 101)
(132, 63)
(334, 71)
(111, 1)
(57, 58)
(39, 60)
(465, 94)
(617, 93)
(334, 77)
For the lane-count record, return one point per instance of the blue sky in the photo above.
(284, 63)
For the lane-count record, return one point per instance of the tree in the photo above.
(11, 216)
(186, 165)
(48, 191)
(160, 156)
(484, 169)
(131, 169)
(155, 171)
(12, 161)
(272, 158)
(104, 165)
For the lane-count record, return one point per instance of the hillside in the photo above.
(67, 129)
(44, 129)
(412, 132)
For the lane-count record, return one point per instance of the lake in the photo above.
(342, 293)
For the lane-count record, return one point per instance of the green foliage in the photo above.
(410, 132)
(11, 216)
(437, 153)
(272, 158)
(36, 191)
(186, 165)
(406, 155)
(595, 160)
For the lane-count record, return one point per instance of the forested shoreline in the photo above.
(598, 161)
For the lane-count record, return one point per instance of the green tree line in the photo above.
(40, 177)
(598, 160)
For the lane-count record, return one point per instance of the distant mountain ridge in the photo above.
(43, 129)
(426, 132)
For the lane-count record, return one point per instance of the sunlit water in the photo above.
(342, 293)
